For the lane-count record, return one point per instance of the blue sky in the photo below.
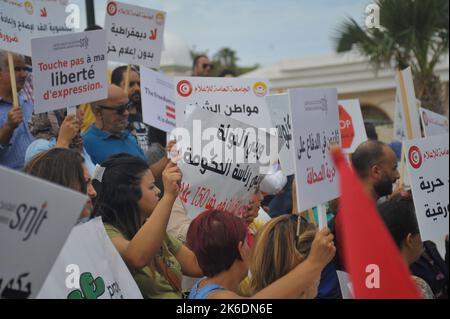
(260, 31)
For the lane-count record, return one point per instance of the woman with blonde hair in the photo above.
(280, 246)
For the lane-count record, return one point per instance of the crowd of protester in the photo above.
(135, 191)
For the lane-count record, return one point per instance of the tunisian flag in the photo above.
(376, 268)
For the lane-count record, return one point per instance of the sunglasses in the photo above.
(120, 110)
(207, 66)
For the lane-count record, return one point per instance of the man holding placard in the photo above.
(15, 135)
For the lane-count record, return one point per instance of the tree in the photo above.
(412, 33)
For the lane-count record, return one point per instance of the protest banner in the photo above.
(134, 34)
(278, 105)
(89, 267)
(224, 172)
(241, 99)
(315, 119)
(158, 100)
(433, 123)
(427, 165)
(34, 224)
(69, 70)
(351, 123)
(21, 21)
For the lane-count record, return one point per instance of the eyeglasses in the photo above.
(20, 68)
(120, 110)
(207, 66)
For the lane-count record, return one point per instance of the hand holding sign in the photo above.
(15, 117)
(69, 129)
(172, 179)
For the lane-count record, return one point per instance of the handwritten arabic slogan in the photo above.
(21, 21)
(315, 120)
(135, 34)
(102, 272)
(427, 162)
(278, 105)
(69, 70)
(158, 100)
(433, 123)
(237, 98)
(212, 176)
(32, 228)
(351, 123)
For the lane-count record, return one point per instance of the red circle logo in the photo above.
(415, 157)
(112, 8)
(184, 88)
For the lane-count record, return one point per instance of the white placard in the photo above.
(158, 100)
(21, 21)
(408, 102)
(278, 105)
(135, 34)
(214, 177)
(315, 119)
(241, 99)
(427, 163)
(351, 122)
(35, 219)
(69, 70)
(433, 123)
(89, 267)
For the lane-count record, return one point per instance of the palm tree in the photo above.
(413, 33)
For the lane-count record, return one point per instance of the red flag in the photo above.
(375, 265)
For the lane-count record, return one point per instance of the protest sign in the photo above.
(135, 34)
(315, 119)
(224, 171)
(427, 161)
(34, 224)
(351, 123)
(89, 267)
(158, 100)
(278, 105)
(69, 70)
(408, 102)
(433, 123)
(241, 99)
(21, 21)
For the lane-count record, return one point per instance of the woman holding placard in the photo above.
(136, 219)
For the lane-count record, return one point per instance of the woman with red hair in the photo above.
(219, 242)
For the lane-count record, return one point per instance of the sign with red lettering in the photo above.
(135, 34)
(351, 124)
(21, 21)
(69, 70)
(158, 100)
(315, 128)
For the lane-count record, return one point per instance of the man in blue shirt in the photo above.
(109, 134)
(15, 134)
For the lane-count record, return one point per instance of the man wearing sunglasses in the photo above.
(201, 66)
(15, 134)
(109, 134)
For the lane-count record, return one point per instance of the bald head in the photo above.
(376, 163)
(116, 96)
(111, 114)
